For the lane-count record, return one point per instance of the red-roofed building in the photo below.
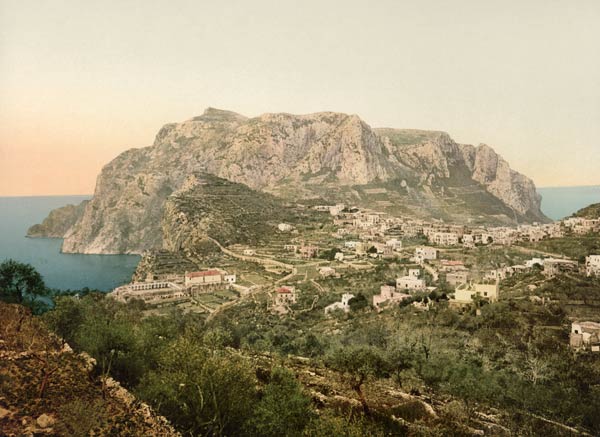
(284, 296)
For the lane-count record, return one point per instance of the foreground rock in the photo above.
(46, 390)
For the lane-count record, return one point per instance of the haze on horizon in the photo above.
(82, 82)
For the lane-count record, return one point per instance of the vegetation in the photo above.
(591, 211)
(248, 372)
(21, 283)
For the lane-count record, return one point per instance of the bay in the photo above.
(59, 270)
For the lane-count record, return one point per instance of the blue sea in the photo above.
(60, 271)
(560, 202)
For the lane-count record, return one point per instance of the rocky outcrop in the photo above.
(58, 222)
(47, 389)
(324, 155)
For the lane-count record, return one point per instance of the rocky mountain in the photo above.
(323, 157)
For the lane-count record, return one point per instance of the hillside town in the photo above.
(434, 256)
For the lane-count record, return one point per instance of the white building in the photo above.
(592, 265)
(327, 272)
(423, 253)
(444, 238)
(344, 305)
(410, 283)
(414, 273)
(585, 335)
(209, 277)
(149, 292)
(284, 227)
(394, 243)
(464, 293)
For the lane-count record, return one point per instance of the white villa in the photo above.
(344, 305)
(585, 335)
(464, 293)
(411, 281)
(423, 253)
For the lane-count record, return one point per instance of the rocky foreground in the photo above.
(322, 157)
(46, 389)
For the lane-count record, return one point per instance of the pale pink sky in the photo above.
(81, 82)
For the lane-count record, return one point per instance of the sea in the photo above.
(561, 202)
(60, 270)
(106, 272)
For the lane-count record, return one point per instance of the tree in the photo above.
(357, 364)
(20, 283)
(283, 409)
(358, 302)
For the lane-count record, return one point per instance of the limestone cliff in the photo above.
(58, 222)
(326, 155)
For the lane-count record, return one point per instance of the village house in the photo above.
(339, 256)
(457, 278)
(394, 243)
(327, 272)
(336, 209)
(423, 253)
(585, 336)
(464, 293)
(283, 298)
(208, 279)
(309, 251)
(344, 305)
(592, 265)
(498, 274)
(290, 248)
(468, 241)
(388, 295)
(411, 281)
(284, 227)
(554, 266)
(444, 238)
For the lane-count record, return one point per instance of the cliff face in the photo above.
(324, 155)
(58, 222)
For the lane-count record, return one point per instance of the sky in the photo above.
(81, 82)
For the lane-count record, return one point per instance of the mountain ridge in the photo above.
(328, 156)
